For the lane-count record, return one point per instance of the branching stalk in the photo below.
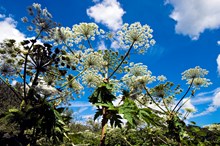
(74, 78)
(126, 55)
(154, 101)
(68, 47)
(26, 59)
(165, 105)
(184, 95)
(90, 45)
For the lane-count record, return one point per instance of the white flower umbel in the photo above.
(92, 79)
(61, 35)
(200, 82)
(161, 78)
(85, 31)
(76, 86)
(195, 76)
(196, 72)
(93, 60)
(137, 76)
(136, 34)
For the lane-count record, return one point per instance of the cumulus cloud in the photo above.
(218, 64)
(218, 43)
(213, 106)
(8, 29)
(195, 16)
(107, 12)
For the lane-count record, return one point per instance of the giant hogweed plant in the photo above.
(32, 67)
(67, 62)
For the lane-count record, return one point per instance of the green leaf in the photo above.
(13, 110)
(61, 122)
(66, 136)
(97, 114)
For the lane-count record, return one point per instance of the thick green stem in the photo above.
(164, 102)
(26, 59)
(90, 45)
(104, 126)
(184, 95)
(154, 101)
(126, 55)
(68, 47)
(74, 78)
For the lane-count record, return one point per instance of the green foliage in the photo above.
(133, 114)
(102, 94)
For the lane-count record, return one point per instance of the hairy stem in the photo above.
(68, 47)
(164, 102)
(154, 100)
(104, 126)
(184, 95)
(74, 78)
(126, 55)
(26, 59)
(90, 45)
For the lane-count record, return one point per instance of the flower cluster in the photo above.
(196, 77)
(196, 72)
(92, 59)
(76, 86)
(85, 31)
(137, 35)
(137, 76)
(61, 35)
(161, 78)
(10, 55)
(42, 19)
(91, 78)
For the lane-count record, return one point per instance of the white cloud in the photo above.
(8, 29)
(86, 117)
(101, 46)
(218, 43)
(210, 109)
(80, 104)
(213, 106)
(96, 1)
(201, 100)
(216, 99)
(115, 44)
(2, 16)
(218, 64)
(195, 16)
(82, 109)
(107, 12)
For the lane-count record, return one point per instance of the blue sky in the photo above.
(186, 34)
